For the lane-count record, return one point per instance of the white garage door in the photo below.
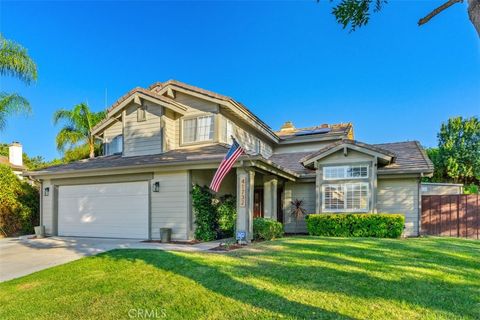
(114, 210)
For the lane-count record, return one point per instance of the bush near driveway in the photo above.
(356, 225)
(266, 229)
(19, 204)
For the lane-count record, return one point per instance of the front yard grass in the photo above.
(294, 277)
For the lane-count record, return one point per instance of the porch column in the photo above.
(270, 184)
(245, 186)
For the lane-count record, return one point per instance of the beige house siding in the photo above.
(339, 158)
(400, 196)
(171, 137)
(144, 137)
(204, 178)
(301, 191)
(195, 104)
(170, 208)
(245, 136)
(114, 130)
(47, 207)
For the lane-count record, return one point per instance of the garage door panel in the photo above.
(118, 210)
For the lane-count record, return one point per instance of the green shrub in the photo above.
(266, 229)
(356, 225)
(471, 189)
(206, 215)
(227, 216)
(19, 204)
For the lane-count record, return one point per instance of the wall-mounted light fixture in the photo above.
(46, 191)
(156, 187)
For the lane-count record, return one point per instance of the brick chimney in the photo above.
(15, 154)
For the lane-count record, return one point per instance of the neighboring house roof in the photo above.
(408, 157)
(201, 154)
(5, 161)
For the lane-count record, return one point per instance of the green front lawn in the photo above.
(303, 277)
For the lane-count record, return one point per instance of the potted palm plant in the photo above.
(297, 211)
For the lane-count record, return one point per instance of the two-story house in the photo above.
(160, 141)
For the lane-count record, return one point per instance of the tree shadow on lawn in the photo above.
(363, 271)
(389, 264)
(213, 278)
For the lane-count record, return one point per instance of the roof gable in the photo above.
(345, 144)
(169, 87)
(135, 96)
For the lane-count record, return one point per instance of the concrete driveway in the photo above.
(22, 256)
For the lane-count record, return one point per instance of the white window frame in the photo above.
(108, 145)
(345, 170)
(258, 146)
(195, 141)
(343, 186)
(229, 131)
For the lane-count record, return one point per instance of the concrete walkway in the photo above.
(22, 256)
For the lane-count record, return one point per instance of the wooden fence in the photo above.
(451, 215)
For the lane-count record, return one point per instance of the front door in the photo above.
(258, 203)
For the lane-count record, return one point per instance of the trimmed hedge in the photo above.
(356, 225)
(266, 229)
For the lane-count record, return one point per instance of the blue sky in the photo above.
(284, 60)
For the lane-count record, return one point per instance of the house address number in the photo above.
(243, 191)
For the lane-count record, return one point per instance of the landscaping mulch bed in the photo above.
(224, 247)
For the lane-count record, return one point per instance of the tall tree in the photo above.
(77, 130)
(15, 62)
(458, 153)
(356, 13)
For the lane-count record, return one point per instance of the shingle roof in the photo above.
(292, 161)
(192, 154)
(409, 157)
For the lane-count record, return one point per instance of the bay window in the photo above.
(198, 129)
(345, 197)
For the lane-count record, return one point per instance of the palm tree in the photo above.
(78, 128)
(297, 211)
(14, 61)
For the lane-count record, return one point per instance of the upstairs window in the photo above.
(198, 129)
(258, 146)
(345, 172)
(229, 132)
(114, 146)
(142, 113)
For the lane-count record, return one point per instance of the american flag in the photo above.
(227, 163)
